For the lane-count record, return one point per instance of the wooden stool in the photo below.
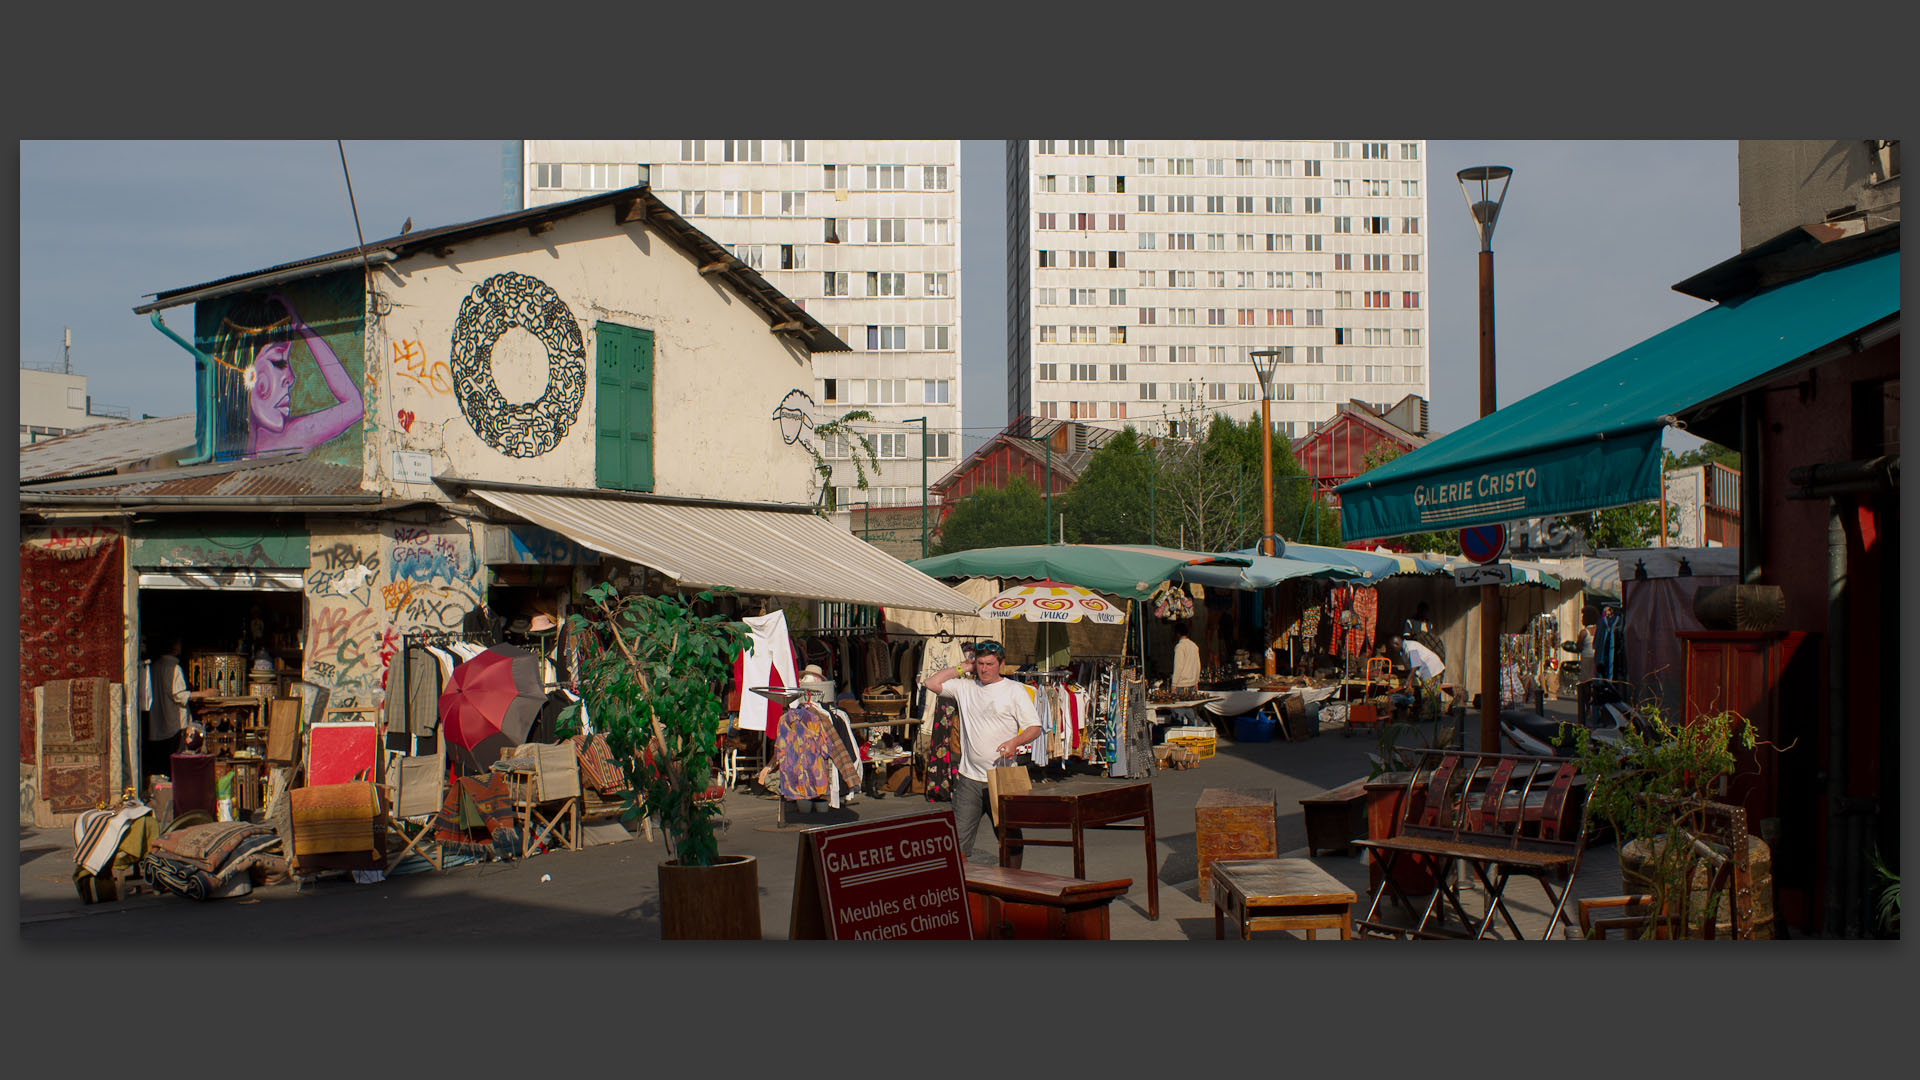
(1280, 894)
(1233, 823)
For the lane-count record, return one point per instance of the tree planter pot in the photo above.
(1637, 872)
(707, 903)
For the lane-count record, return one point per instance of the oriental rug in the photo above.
(72, 593)
(77, 719)
(472, 803)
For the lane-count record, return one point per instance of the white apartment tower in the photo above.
(865, 235)
(1142, 272)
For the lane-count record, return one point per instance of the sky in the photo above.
(1592, 237)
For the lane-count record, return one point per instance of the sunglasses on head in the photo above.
(988, 648)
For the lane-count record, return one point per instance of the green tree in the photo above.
(1109, 503)
(995, 517)
(1636, 525)
(1704, 453)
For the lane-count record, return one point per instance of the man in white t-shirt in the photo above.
(997, 719)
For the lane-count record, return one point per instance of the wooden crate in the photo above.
(1199, 741)
(1233, 823)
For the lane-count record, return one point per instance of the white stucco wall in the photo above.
(719, 372)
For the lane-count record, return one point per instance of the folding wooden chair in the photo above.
(416, 788)
(547, 796)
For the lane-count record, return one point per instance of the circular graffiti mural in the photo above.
(499, 304)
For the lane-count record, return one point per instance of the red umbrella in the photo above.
(491, 703)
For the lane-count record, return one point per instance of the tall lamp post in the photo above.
(922, 421)
(1264, 363)
(1485, 189)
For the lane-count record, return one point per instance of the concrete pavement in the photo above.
(608, 892)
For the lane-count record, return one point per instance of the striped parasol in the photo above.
(1051, 601)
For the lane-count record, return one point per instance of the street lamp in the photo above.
(1485, 189)
(1265, 361)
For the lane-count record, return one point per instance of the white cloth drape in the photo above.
(770, 653)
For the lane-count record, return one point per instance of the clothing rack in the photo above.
(424, 638)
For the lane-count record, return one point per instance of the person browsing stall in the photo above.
(1424, 667)
(997, 721)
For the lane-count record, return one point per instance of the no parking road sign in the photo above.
(1483, 543)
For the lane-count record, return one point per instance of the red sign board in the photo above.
(1483, 543)
(900, 878)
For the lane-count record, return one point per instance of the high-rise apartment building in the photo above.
(1141, 274)
(865, 235)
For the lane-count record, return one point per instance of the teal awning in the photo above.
(1593, 439)
(1126, 571)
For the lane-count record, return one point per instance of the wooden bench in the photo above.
(1233, 823)
(1007, 904)
(1335, 819)
(1495, 814)
(1279, 894)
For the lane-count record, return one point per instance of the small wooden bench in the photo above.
(1335, 819)
(1279, 894)
(1007, 904)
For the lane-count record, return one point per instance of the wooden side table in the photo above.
(1233, 823)
(1280, 894)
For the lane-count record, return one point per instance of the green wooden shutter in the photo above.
(623, 420)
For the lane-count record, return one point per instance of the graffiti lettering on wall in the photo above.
(498, 304)
(343, 650)
(410, 362)
(543, 547)
(69, 542)
(286, 369)
(345, 571)
(430, 578)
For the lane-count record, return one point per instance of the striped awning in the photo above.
(769, 552)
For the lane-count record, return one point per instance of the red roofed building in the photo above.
(1029, 447)
(1338, 450)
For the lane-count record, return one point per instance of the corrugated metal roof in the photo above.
(776, 305)
(796, 555)
(288, 477)
(102, 450)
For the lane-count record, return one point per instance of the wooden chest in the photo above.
(1007, 904)
(1233, 823)
(1336, 819)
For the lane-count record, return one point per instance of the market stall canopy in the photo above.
(1260, 572)
(790, 554)
(1593, 439)
(1052, 601)
(1369, 566)
(1128, 571)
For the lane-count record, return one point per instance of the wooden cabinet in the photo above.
(1773, 679)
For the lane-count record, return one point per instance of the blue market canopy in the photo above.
(1260, 572)
(1129, 571)
(1593, 439)
(1369, 566)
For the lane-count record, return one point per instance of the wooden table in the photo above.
(1079, 805)
(1007, 904)
(1279, 894)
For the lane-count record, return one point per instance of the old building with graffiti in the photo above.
(423, 440)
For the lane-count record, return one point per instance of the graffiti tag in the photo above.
(410, 362)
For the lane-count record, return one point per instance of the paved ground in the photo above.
(607, 893)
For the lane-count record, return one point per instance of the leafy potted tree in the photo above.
(650, 675)
(1656, 793)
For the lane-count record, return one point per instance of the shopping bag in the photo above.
(1005, 780)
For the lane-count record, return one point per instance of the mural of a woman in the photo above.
(255, 345)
